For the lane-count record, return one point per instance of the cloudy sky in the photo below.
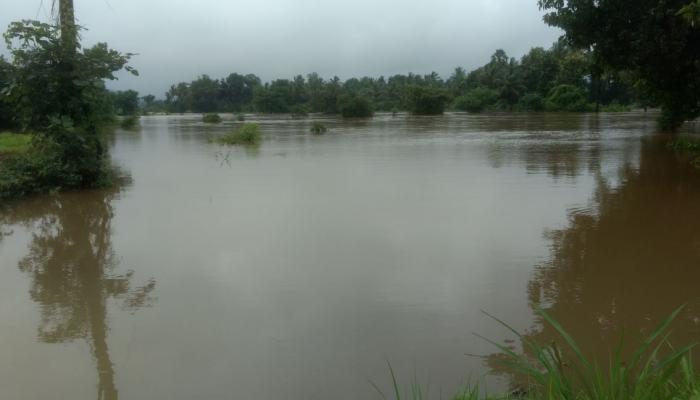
(179, 39)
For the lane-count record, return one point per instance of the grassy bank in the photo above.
(655, 370)
(14, 143)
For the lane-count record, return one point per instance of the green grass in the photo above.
(211, 118)
(14, 143)
(318, 128)
(246, 134)
(561, 371)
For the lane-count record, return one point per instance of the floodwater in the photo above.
(299, 268)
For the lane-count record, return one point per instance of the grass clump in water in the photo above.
(129, 122)
(318, 128)
(246, 134)
(687, 147)
(13, 143)
(655, 370)
(212, 118)
(240, 117)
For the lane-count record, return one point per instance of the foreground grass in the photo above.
(246, 134)
(560, 371)
(14, 143)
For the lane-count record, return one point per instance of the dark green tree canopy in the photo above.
(657, 41)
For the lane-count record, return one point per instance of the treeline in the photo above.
(555, 79)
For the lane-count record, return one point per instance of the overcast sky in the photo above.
(177, 40)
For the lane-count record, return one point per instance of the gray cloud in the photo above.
(180, 39)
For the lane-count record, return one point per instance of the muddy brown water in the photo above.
(299, 268)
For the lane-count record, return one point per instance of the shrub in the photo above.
(318, 128)
(531, 102)
(476, 100)
(129, 122)
(212, 118)
(566, 98)
(240, 117)
(425, 100)
(246, 134)
(299, 111)
(355, 107)
(616, 107)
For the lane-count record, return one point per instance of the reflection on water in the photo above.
(297, 270)
(73, 273)
(622, 265)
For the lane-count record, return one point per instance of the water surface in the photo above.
(298, 268)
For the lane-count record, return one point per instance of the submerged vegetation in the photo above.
(687, 147)
(246, 134)
(211, 118)
(318, 128)
(654, 370)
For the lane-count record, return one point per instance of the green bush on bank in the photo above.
(129, 122)
(355, 107)
(476, 100)
(567, 98)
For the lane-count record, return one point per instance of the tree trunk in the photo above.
(66, 18)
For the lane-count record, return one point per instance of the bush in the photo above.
(318, 128)
(129, 122)
(425, 100)
(616, 107)
(240, 117)
(246, 134)
(211, 118)
(476, 100)
(299, 111)
(355, 107)
(531, 102)
(42, 169)
(567, 98)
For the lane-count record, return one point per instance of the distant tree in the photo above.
(205, 94)
(425, 100)
(354, 106)
(657, 41)
(125, 102)
(567, 98)
(477, 100)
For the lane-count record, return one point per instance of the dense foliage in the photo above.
(536, 82)
(56, 89)
(656, 42)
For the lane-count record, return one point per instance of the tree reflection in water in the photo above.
(73, 272)
(627, 262)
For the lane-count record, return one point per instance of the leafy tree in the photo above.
(58, 91)
(567, 98)
(657, 41)
(531, 102)
(424, 100)
(477, 100)
(125, 102)
(355, 107)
